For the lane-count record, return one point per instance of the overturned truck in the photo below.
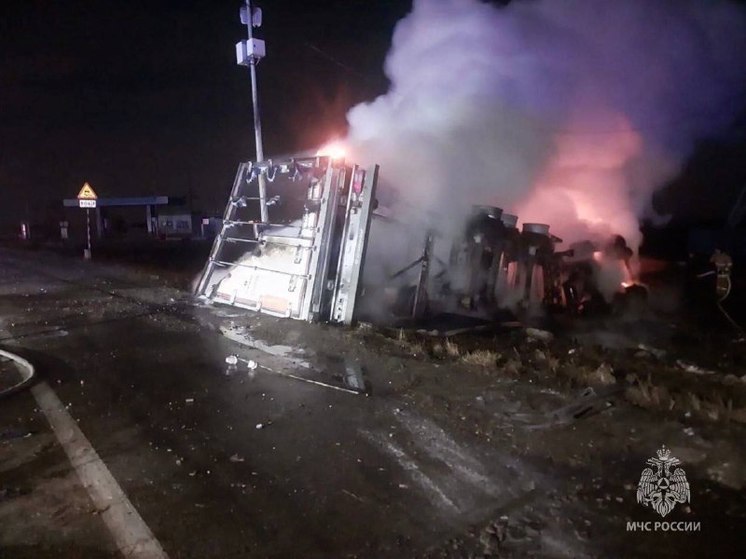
(308, 264)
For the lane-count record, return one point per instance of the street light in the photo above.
(248, 53)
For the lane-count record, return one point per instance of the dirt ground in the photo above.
(505, 443)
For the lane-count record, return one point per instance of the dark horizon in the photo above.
(146, 98)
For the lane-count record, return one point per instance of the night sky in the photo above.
(145, 97)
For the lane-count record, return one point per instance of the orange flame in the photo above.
(335, 150)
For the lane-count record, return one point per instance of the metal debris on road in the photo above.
(354, 376)
(252, 365)
(590, 402)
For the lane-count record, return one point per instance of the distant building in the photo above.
(177, 222)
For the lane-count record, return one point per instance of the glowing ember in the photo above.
(335, 150)
(626, 284)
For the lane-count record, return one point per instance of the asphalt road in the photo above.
(222, 464)
(216, 464)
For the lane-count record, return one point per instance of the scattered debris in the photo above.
(540, 335)
(657, 353)
(354, 376)
(494, 535)
(233, 360)
(587, 404)
(691, 368)
(241, 335)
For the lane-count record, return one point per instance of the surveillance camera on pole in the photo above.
(248, 53)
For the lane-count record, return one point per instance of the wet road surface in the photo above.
(221, 463)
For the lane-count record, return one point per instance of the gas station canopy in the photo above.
(129, 201)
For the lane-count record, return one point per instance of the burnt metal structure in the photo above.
(535, 278)
(510, 248)
(308, 267)
(478, 256)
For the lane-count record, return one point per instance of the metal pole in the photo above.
(257, 121)
(88, 229)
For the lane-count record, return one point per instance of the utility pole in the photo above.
(249, 53)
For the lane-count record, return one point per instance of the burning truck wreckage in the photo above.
(462, 272)
(327, 258)
(511, 198)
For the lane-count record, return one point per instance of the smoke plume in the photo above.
(565, 112)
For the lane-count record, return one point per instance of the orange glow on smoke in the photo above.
(583, 191)
(335, 150)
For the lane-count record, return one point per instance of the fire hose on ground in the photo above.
(26, 370)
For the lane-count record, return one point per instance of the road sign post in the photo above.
(87, 199)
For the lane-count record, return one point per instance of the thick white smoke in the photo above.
(566, 112)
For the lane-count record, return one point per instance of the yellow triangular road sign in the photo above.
(87, 193)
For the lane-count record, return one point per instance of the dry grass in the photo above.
(413, 347)
(646, 394)
(416, 348)
(452, 349)
(481, 358)
(603, 375)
